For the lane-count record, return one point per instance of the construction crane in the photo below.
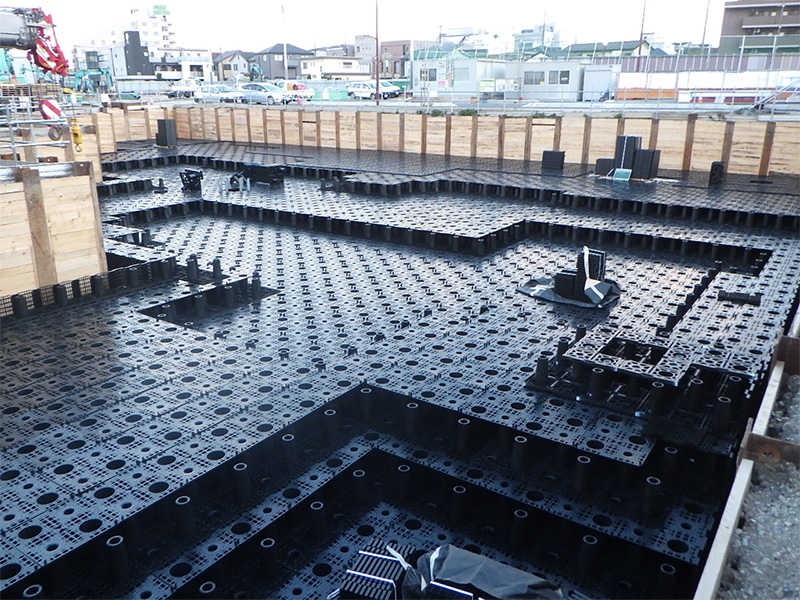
(83, 82)
(256, 74)
(32, 30)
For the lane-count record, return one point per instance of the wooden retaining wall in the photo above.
(50, 229)
(692, 143)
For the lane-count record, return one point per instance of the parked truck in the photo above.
(185, 88)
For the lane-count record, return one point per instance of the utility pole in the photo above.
(285, 51)
(641, 37)
(705, 26)
(377, 60)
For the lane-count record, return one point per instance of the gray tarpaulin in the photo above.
(449, 572)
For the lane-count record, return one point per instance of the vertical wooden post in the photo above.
(216, 125)
(283, 128)
(265, 125)
(44, 262)
(688, 142)
(318, 132)
(557, 134)
(113, 132)
(165, 110)
(300, 127)
(97, 134)
(69, 149)
(766, 150)
(620, 126)
(526, 152)
(189, 122)
(203, 129)
(423, 135)
(247, 112)
(148, 128)
(448, 133)
(233, 124)
(587, 140)
(727, 142)
(402, 134)
(337, 126)
(86, 168)
(358, 130)
(126, 119)
(501, 136)
(652, 143)
(473, 140)
(378, 131)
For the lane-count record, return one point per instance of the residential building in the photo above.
(539, 36)
(228, 66)
(182, 63)
(760, 27)
(340, 50)
(153, 22)
(271, 62)
(333, 67)
(612, 49)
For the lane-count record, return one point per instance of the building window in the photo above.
(235, 67)
(461, 74)
(347, 63)
(278, 57)
(305, 65)
(534, 78)
(427, 74)
(564, 78)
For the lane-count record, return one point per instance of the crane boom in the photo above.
(32, 30)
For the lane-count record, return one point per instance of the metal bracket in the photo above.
(765, 449)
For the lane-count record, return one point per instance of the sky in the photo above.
(249, 25)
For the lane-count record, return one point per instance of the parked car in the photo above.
(366, 89)
(218, 93)
(262, 93)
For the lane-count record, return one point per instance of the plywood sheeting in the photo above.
(413, 133)
(487, 137)
(17, 270)
(460, 136)
(514, 138)
(390, 128)
(542, 137)
(604, 139)
(640, 127)
(786, 148)
(707, 146)
(327, 125)
(671, 142)
(436, 135)
(369, 130)
(572, 138)
(182, 123)
(746, 147)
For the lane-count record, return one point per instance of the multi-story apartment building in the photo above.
(760, 27)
